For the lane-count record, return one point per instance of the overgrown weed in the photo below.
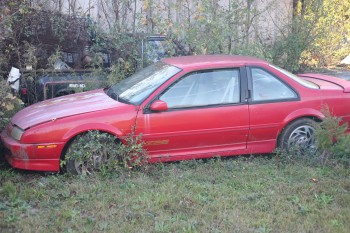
(101, 152)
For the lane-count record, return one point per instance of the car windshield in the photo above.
(136, 88)
(303, 82)
(155, 50)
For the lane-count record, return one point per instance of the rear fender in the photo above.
(304, 112)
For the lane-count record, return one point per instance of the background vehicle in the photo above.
(35, 87)
(40, 85)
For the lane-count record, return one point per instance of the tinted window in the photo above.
(204, 88)
(268, 87)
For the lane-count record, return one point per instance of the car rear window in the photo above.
(301, 81)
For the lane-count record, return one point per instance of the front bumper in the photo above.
(32, 156)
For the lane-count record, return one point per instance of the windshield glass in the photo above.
(155, 50)
(140, 85)
(303, 82)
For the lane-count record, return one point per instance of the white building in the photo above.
(262, 17)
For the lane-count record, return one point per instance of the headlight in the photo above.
(16, 133)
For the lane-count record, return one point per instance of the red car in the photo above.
(186, 108)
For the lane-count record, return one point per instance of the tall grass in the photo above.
(247, 194)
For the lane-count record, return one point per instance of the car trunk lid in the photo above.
(321, 80)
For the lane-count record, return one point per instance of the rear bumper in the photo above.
(30, 156)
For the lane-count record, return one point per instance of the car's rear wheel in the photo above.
(299, 134)
(91, 152)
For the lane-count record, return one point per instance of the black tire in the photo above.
(299, 133)
(88, 152)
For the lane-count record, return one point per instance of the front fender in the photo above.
(93, 126)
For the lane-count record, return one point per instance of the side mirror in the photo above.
(158, 105)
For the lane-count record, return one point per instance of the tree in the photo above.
(332, 34)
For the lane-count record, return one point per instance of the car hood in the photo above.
(64, 106)
(321, 80)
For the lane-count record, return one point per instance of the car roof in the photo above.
(213, 61)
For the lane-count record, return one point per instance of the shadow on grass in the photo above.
(27, 174)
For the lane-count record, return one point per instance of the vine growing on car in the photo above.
(96, 151)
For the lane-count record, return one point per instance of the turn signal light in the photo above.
(46, 146)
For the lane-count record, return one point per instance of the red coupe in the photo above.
(185, 108)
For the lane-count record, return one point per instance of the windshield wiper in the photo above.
(110, 92)
(122, 100)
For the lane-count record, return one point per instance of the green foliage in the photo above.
(9, 104)
(102, 152)
(211, 28)
(287, 50)
(205, 27)
(318, 32)
(131, 151)
(331, 32)
(31, 32)
(119, 71)
(95, 151)
(295, 36)
(55, 57)
(29, 55)
(295, 155)
(332, 138)
(9, 191)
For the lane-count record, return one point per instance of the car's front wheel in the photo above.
(91, 152)
(299, 134)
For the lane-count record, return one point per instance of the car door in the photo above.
(272, 100)
(205, 116)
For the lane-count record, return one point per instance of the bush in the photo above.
(102, 152)
(119, 71)
(332, 139)
(9, 104)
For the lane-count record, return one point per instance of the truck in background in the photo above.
(39, 85)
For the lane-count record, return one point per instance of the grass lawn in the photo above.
(256, 194)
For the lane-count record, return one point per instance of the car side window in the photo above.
(267, 87)
(203, 89)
